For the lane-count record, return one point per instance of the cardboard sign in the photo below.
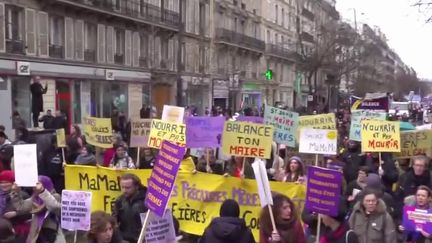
(415, 219)
(160, 229)
(26, 165)
(76, 210)
(253, 119)
(380, 136)
(414, 143)
(359, 115)
(98, 131)
(318, 141)
(162, 130)
(140, 132)
(173, 114)
(323, 190)
(247, 139)
(204, 132)
(284, 123)
(163, 176)
(263, 183)
(61, 138)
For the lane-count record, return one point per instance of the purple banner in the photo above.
(370, 104)
(204, 132)
(253, 119)
(323, 190)
(415, 219)
(163, 176)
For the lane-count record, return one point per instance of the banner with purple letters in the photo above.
(323, 190)
(253, 119)
(415, 219)
(204, 132)
(163, 176)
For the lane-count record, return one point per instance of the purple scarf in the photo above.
(49, 186)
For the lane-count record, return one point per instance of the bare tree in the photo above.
(424, 6)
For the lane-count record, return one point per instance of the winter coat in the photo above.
(248, 171)
(298, 235)
(88, 159)
(116, 238)
(342, 234)
(353, 160)
(411, 201)
(377, 227)
(20, 221)
(227, 230)
(282, 175)
(37, 92)
(127, 213)
(409, 182)
(122, 163)
(52, 203)
(48, 121)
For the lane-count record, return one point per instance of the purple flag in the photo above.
(253, 119)
(323, 190)
(204, 132)
(163, 176)
(415, 219)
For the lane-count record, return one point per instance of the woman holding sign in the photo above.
(421, 200)
(288, 225)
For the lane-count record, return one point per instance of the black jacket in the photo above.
(391, 174)
(127, 212)
(227, 230)
(37, 92)
(353, 160)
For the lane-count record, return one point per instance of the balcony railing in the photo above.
(56, 51)
(308, 14)
(132, 8)
(307, 37)
(280, 51)
(119, 59)
(15, 46)
(239, 39)
(90, 55)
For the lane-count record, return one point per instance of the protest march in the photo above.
(355, 175)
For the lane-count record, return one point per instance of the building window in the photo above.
(119, 46)
(57, 33)
(283, 17)
(146, 95)
(21, 98)
(268, 37)
(276, 38)
(202, 18)
(201, 59)
(14, 23)
(183, 53)
(235, 24)
(164, 48)
(90, 42)
(276, 13)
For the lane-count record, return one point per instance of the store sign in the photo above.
(23, 68)
(109, 75)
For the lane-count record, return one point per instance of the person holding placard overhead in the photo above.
(370, 220)
(288, 225)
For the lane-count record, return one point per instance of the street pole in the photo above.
(179, 81)
(212, 69)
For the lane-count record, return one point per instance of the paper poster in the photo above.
(318, 141)
(323, 190)
(359, 115)
(414, 143)
(61, 138)
(204, 132)
(247, 139)
(98, 131)
(26, 165)
(284, 124)
(163, 176)
(253, 119)
(415, 219)
(76, 210)
(322, 121)
(263, 184)
(162, 130)
(380, 136)
(173, 114)
(140, 132)
(160, 229)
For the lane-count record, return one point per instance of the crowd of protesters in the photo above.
(371, 202)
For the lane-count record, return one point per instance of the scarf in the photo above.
(287, 230)
(339, 233)
(37, 201)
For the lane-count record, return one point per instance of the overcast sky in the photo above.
(403, 25)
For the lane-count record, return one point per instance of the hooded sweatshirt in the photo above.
(227, 230)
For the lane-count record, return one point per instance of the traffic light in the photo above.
(269, 74)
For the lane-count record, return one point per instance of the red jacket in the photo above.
(299, 235)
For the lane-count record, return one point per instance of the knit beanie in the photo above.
(373, 181)
(8, 176)
(230, 208)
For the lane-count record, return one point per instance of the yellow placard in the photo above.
(322, 121)
(247, 139)
(414, 143)
(380, 136)
(163, 130)
(98, 131)
(61, 138)
(193, 202)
